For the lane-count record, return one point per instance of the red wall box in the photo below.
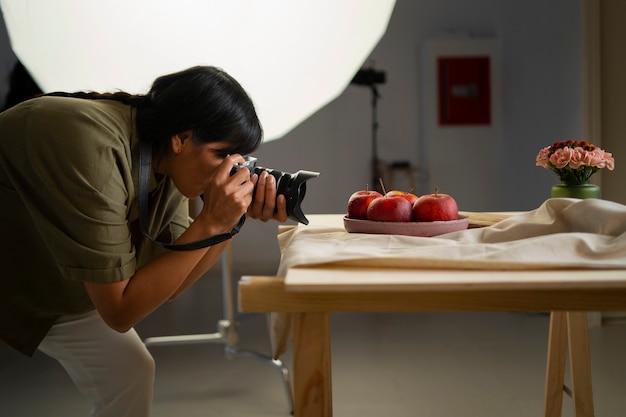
(464, 90)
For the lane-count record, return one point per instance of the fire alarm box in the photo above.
(464, 90)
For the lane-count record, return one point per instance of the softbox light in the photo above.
(292, 56)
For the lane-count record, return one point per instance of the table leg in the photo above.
(568, 330)
(312, 366)
(580, 363)
(555, 372)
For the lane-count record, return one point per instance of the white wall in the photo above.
(473, 150)
(540, 99)
(540, 96)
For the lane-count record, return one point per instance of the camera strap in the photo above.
(145, 159)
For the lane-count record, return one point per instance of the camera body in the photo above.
(292, 186)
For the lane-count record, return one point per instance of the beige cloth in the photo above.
(561, 233)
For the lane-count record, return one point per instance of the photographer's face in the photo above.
(191, 165)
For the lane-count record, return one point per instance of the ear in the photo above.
(179, 140)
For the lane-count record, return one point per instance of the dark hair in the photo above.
(203, 99)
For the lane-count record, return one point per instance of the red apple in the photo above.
(359, 201)
(435, 207)
(390, 208)
(408, 195)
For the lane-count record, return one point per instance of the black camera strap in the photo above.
(145, 159)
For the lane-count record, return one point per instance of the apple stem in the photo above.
(382, 185)
(436, 190)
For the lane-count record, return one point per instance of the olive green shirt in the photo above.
(68, 210)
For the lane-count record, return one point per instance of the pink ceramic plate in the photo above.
(424, 229)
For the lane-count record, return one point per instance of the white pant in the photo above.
(115, 370)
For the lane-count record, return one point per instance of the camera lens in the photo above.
(292, 186)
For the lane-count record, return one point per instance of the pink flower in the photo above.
(574, 161)
(561, 157)
(543, 157)
(597, 159)
(607, 159)
(581, 157)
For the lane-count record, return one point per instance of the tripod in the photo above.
(226, 330)
(370, 77)
(376, 172)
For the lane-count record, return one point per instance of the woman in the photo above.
(79, 273)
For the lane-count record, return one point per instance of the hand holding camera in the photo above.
(267, 204)
(291, 186)
(225, 198)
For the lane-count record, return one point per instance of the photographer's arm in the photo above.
(266, 206)
(123, 304)
(207, 261)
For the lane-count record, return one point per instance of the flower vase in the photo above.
(575, 191)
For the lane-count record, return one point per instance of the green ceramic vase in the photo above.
(576, 191)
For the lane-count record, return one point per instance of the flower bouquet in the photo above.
(574, 161)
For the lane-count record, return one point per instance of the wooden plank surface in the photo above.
(269, 294)
(486, 219)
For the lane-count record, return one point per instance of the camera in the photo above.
(292, 186)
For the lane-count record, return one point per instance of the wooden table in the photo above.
(312, 294)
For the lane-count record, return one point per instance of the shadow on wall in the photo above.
(21, 86)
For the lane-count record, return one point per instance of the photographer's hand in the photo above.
(266, 205)
(226, 197)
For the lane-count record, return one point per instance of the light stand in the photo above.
(370, 78)
(376, 174)
(226, 331)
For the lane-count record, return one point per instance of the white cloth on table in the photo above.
(561, 233)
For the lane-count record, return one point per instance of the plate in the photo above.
(424, 229)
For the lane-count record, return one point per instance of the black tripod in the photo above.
(376, 169)
(370, 78)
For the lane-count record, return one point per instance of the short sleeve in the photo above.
(77, 187)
